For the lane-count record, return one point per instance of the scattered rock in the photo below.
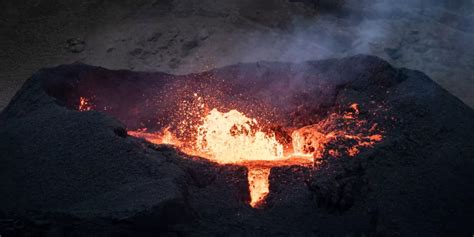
(174, 63)
(155, 37)
(190, 45)
(203, 35)
(136, 52)
(75, 45)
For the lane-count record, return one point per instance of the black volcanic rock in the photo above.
(65, 172)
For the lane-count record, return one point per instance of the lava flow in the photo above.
(233, 138)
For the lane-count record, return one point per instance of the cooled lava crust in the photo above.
(67, 172)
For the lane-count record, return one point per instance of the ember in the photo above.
(84, 104)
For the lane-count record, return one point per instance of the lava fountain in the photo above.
(257, 124)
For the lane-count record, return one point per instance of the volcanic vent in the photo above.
(343, 147)
(230, 117)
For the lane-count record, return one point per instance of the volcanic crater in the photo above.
(340, 146)
(284, 121)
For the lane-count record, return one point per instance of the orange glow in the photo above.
(258, 185)
(314, 138)
(84, 104)
(165, 137)
(233, 138)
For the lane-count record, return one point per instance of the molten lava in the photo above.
(165, 137)
(258, 185)
(233, 138)
(84, 104)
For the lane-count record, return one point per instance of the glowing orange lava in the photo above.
(233, 138)
(84, 104)
(258, 185)
(165, 137)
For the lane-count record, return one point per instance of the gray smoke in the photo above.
(433, 36)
